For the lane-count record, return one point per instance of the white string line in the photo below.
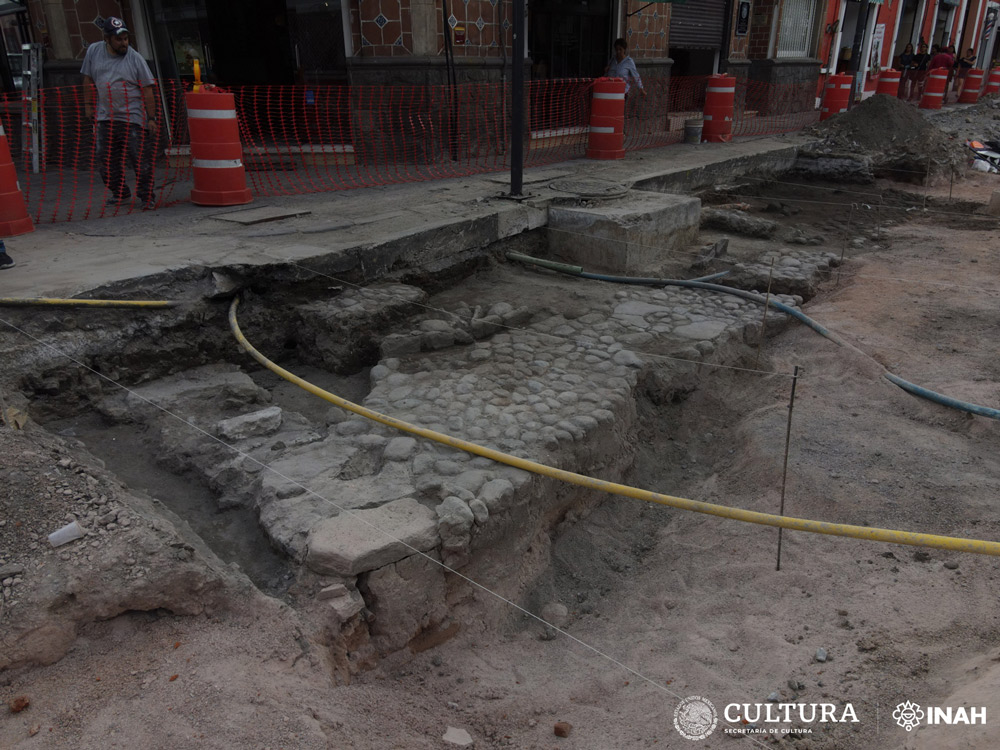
(922, 281)
(738, 190)
(730, 262)
(870, 205)
(563, 339)
(357, 517)
(663, 250)
(845, 189)
(885, 207)
(772, 181)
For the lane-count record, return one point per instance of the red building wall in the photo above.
(79, 15)
(761, 23)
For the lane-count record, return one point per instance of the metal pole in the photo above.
(517, 102)
(856, 48)
(31, 73)
(784, 471)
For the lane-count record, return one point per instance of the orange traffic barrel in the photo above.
(14, 217)
(888, 82)
(993, 84)
(937, 81)
(720, 93)
(836, 96)
(216, 152)
(607, 120)
(973, 83)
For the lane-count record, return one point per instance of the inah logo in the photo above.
(695, 717)
(908, 715)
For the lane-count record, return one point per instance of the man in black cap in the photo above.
(127, 123)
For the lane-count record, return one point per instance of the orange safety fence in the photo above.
(308, 139)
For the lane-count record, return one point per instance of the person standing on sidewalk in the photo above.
(906, 64)
(623, 66)
(920, 61)
(126, 124)
(5, 260)
(962, 67)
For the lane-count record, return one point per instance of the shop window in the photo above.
(797, 30)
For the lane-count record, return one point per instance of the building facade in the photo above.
(416, 41)
(358, 42)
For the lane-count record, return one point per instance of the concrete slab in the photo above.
(532, 176)
(260, 215)
(370, 539)
(638, 234)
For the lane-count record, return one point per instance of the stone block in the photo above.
(496, 493)
(348, 545)
(636, 234)
(346, 606)
(408, 599)
(263, 422)
(333, 591)
(994, 207)
(399, 345)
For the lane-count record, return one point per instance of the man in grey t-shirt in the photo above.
(127, 123)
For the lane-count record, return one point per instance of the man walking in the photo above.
(127, 124)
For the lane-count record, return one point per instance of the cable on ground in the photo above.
(56, 302)
(983, 411)
(916, 539)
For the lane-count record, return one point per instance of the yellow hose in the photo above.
(737, 514)
(55, 302)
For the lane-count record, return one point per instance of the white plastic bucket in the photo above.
(692, 131)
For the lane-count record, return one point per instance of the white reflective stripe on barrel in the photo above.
(213, 114)
(2, 131)
(601, 129)
(721, 90)
(600, 95)
(931, 93)
(216, 163)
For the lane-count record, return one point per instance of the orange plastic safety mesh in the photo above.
(308, 139)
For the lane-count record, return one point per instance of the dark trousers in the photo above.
(122, 145)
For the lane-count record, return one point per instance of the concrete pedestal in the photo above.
(639, 234)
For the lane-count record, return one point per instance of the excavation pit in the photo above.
(667, 388)
(288, 489)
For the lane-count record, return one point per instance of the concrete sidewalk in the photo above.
(344, 229)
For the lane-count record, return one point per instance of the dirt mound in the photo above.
(895, 135)
(877, 124)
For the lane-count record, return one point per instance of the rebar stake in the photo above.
(784, 470)
(843, 249)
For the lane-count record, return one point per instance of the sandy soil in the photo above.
(662, 604)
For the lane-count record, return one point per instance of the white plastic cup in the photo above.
(66, 534)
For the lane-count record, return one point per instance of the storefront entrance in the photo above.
(569, 38)
(249, 41)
